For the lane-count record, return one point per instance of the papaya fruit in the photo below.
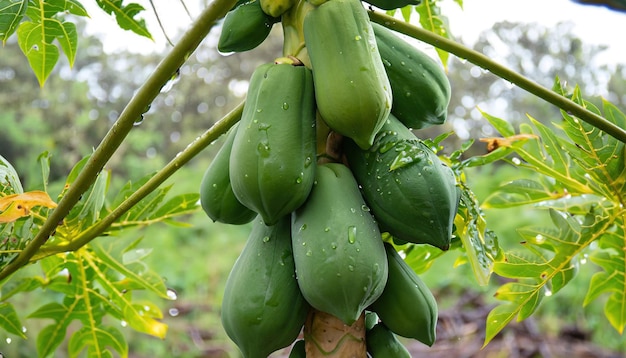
(245, 27)
(272, 162)
(275, 8)
(382, 343)
(216, 194)
(352, 91)
(371, 319)
(412, 193)
(406, 306)
(263, 309)
(392, 4)
(340, 261)
(420, 87)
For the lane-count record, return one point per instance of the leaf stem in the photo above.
(161, 176)
(483, 61)
(120, 129)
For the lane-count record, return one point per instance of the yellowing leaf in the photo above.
(16, 206)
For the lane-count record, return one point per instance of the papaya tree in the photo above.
(346, 202)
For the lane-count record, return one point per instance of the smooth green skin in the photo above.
(245, 27)
(382, 343)
(406, 306)
(421, 89)
(263, 309)
(272, 163)
(392, 4)
(337, 247)
(298, 350)
(351, 87)
(216, 194)
(416, 202)
(371, 319)
(276, 8)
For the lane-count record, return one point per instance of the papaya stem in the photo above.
(508, 74)
(120, 129)
(326, 336)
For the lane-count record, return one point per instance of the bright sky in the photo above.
(593, 24)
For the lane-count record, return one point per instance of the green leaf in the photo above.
(65, 33)
(44, 164)
(42, 56)
(9, 180)
(11, 14)
(51, 336)
(125, 15)
(548, 264)
(9, 320)
(612, 281)
(504, 127)
(522, 192)
(96, 341)
(432, 20)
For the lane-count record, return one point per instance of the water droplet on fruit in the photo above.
(350, 268)
(285, 106)
(352, 234)
(309, 253)
(333, 245)
(357, 38)
(266, 239)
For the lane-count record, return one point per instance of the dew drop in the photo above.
(365, 208)
(8, 340)
(326, 229)
(307, 162)
(309, 253)
(357, 38)
(173, 312)
(350, 268)
(285, 106)
(123, 323)
(266, 239)
(352, 234)
(333, 245)
(171, 294)
(303, 227)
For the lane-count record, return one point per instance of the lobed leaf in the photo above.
(96, 341)
(548, 264)
(125, 15)
(612, 281)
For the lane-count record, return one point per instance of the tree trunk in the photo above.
(327, 336)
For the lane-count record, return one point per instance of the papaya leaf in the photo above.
(431, 19)
(9, 180)
(51, 336)
(612, 259)
(502, 126)
(11, 14)
(44, 163)
(9, 320)
(125, 15)
(479, 243)
(96, 341)
(547, 265)
(523, 192)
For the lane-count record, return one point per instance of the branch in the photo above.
(120, 129)
(161, 176)
(503, 72)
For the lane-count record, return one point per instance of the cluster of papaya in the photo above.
(323, 162)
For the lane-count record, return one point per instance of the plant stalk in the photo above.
(193, 149)
(120, 129)
(508, 74)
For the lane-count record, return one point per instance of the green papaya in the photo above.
(352, 91)
(338, 251)
(263, 309)
(245, 27)
(406, 306)
(382, 343)
(412, 193)
(272, 163)
(392, 4)
(216, 194)
(298, 350)
(276, 8)
(420, 87)
(371, 319)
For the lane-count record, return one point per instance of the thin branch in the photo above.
(161, 176)
(120, 129)
(158, 18)
(483, 61)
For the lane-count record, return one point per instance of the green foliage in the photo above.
(581, 183)
(39, 24)
(96, 281)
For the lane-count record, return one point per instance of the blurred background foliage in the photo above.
(69, 116)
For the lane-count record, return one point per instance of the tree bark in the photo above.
(327, 336)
